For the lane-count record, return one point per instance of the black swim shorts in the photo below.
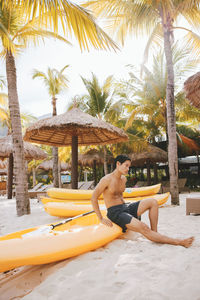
(123, 213)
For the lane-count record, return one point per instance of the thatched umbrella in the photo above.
(48, 165)
(6, 151)
(192, 89)
(30, 151)
(151, 155)
(92, 158)
(74, 128)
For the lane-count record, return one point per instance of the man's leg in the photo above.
(152, 206)
(138, 226)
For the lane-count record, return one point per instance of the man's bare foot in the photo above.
(187, 242)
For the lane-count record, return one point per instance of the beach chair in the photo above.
(88, 185)
(80, 184)
(42, 190)
(36, 187)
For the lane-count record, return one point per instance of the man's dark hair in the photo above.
(121, 158)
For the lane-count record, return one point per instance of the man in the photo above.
(127, 215)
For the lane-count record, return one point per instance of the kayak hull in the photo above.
(34, 246)
(70, 194)
(71, 209)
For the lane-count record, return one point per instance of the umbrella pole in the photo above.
(75, 162)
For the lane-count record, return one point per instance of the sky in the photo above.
(33, 94)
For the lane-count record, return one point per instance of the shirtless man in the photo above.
(127, 215)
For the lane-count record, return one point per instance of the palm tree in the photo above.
(5, 119)
(16, 36)
(56, 82)
(157, 19)
(73, 19)
(147, 96)
(19, 26)
(100, 101)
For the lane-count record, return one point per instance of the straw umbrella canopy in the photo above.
(88, 158)
(48, 165)
(151, 155)
(192, 89)
(6, 151)
(92, 158)
(74, 128)
(30, 151)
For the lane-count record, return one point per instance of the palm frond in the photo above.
(192, 40)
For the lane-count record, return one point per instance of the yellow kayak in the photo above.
(78, 202)
(88, 202)
(70, 209)
(43, 245)
(70, 194)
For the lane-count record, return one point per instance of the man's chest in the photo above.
(117, 186)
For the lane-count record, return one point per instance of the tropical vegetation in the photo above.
(56, 82)
(158, 20)
(148, 107)
(23, 22)
(101, 101)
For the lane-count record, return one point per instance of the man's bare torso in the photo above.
(113, 193)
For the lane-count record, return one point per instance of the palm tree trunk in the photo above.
(55, 152)
(22, 199)
(10, 176)
(171, 118)
(105, 160)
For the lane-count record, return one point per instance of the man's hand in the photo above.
(106, 222)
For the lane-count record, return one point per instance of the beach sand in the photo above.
(131, 267)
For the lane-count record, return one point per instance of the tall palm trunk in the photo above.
(55, 152)
(105, 160)
(171, 118)
(10, 177)
(22, 199)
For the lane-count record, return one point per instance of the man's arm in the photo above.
(101, 186)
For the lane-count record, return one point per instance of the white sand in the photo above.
(128, 268)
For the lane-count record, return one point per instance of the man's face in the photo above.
(124, 167)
